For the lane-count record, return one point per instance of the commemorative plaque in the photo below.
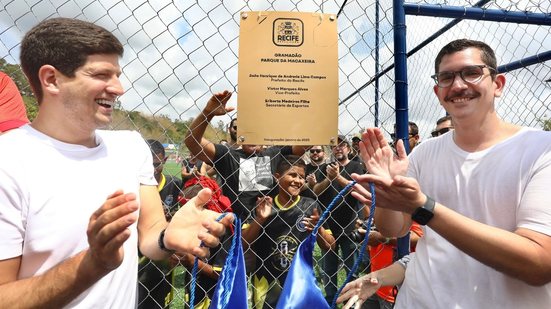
(288, 79)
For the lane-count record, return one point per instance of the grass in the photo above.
(172, 168)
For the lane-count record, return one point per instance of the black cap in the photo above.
(342, 139)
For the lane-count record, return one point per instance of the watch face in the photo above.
(422, 215)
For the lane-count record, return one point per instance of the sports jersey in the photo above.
(276, 246)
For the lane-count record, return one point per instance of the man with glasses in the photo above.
(332, 178)
(413, 135)
(482, 193)
(443, 125)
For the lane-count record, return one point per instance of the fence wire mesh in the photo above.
(177, 53)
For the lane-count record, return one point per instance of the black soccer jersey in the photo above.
(276, 246)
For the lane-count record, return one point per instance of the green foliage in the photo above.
(159, 127)
(16, 74)
(546, 124)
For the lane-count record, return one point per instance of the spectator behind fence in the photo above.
(12, 108)
(483, 193)
(155, 277)
(246, 172)
(232, 130)
(443, 125)
(277, 228)
(413, 135)
(331, 179)
(72, 217)
(317, 159)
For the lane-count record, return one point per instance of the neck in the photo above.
(63, 130)
(285, 200)
(344, 161)
(477, 136)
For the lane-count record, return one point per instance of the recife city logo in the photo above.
(288, 32)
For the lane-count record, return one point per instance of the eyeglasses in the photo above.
(316, 150)
(393, 135)
(436, 133)
(341, 145)
(469, 74)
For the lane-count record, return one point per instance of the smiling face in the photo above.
(317, 155)
(341, 151)
(88, 98)
(291, 181)
(462, 99)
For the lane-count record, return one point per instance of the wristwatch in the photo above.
(423, 214)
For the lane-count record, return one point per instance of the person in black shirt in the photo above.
(332, 178)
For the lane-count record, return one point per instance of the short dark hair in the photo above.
(232, 121)
(288, 162)
(413, 128)
(156, 147)
(64, 43)
(443, 119)
(487, 53)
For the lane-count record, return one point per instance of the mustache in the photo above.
(461, 94)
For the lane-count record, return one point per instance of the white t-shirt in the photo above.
(506, 186)
(48, 192)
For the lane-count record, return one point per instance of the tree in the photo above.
(546, 123)
(16, 74)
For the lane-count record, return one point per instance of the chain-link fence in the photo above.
(177, 53)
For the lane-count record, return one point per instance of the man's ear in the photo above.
(48, 76)
(499, 81)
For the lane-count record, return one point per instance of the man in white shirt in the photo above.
(482, 190)
(76, 201)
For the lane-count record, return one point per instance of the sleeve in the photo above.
(534, 212)
(145, 161)
(12, 217)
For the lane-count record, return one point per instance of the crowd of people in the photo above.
(93, 221)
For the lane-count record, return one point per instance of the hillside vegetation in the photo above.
(158, 127)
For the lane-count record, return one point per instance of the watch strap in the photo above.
(161, 242)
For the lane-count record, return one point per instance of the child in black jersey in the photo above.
(277, 228)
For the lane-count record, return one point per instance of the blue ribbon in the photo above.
(300, 289)
(231, 288)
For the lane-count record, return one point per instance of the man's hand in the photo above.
(401, 193)
(332, 171)
(378, 156)
(311, 180)
(192, 225)
(108, 230)
(216, 106)
(263, 208)
(359, 290)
